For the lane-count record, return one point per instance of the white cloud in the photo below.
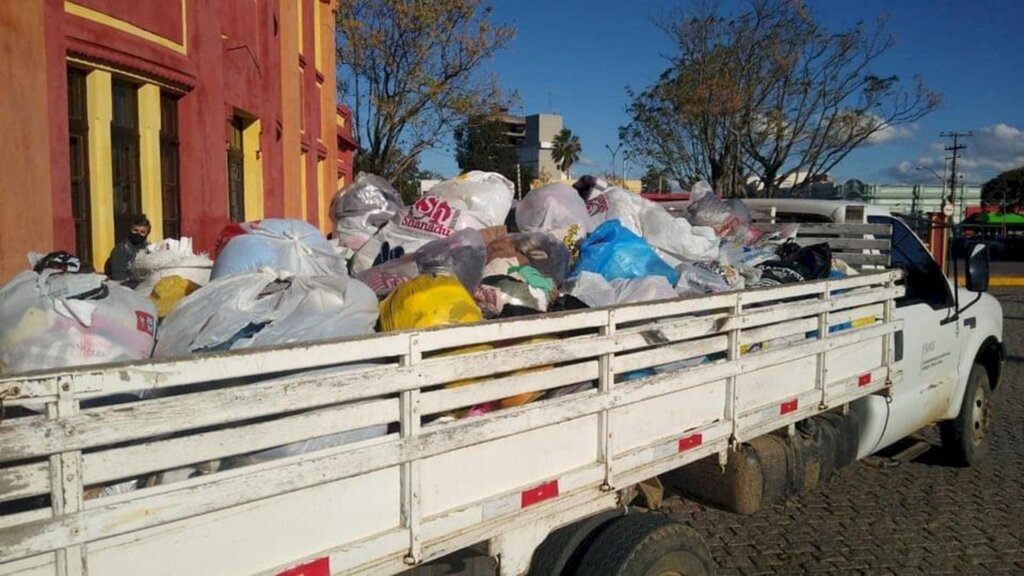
(889, 134)
(990, 150)
(586, 161)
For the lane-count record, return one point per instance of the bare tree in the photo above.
(412, 71)
(772, 93)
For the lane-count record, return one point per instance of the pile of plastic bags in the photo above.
(463, 252)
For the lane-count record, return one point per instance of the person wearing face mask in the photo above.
(119, 263)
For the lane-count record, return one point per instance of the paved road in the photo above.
(920, 518)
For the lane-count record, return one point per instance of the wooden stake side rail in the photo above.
(434, 481)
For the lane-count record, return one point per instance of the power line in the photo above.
(954, 148)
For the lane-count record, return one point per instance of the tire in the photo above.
(647, 545)
(965, 438)
(559, 553)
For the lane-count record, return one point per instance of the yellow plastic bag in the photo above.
(427, 301)
(169, 291)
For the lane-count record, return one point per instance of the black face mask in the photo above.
(137, 239)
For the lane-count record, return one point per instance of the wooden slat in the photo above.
(106, 379)
(840, 244)
(832, 229)
(854, 259)
(544, 379)
(24, 481)
(660, 355)
(510, 329)
(127, 462)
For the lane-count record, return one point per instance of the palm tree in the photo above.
(565, 150)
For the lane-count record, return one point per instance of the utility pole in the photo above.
(947, 214)
(954, 148)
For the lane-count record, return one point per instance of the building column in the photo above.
(252, 171)
(101, 173)
(149, 159)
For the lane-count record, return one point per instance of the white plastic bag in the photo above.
(361, 208)
(57, 320)
(283, 245)
(594, 291)
(553, 208)
(486, 197)
(475, 200)
(170, 257)
(266, 309)
(673, 238)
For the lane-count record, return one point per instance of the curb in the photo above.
(1003, 281)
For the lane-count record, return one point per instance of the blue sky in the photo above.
(576, 57)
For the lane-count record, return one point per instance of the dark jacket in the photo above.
(119, 264)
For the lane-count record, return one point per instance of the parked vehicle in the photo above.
(710, 387)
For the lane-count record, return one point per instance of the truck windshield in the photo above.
(925, 282)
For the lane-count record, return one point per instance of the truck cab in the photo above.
(951, 345)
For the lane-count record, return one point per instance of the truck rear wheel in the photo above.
(965, 438)
(647, 545)
(560, 552)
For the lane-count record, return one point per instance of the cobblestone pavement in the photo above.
(919, 518)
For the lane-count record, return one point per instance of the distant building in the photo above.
(533, 138)
(197, 113)
(921, 199)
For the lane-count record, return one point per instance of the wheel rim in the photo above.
(980, 414)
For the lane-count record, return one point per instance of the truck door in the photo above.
(930, 354)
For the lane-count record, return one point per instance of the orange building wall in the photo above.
(26, 221)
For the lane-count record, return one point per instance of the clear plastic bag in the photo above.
(729, 218)
(497, 292)
(361, 208)
(738, 255)
(553, 208)
(698, 279)
(593, 290)
(266, 309)
(538, 249)
(282, 245)
(460, 255)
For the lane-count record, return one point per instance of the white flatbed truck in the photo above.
(887, 348)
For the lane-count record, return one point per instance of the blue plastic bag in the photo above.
(613, 251)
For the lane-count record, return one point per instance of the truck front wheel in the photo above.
(647, 545)
(965, 438)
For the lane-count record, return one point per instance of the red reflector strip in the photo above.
(864, 379)
(787, 407)
(691, 441)
(545, 491)
(318, 567)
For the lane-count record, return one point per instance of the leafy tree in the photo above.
(769, 92)
(565, 150)
(1006, 189)
(412, 70)
(407, 182)
(481, 143)
(654, 180)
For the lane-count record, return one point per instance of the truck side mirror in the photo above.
(977, 268)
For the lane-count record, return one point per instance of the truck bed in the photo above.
(642, 389)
